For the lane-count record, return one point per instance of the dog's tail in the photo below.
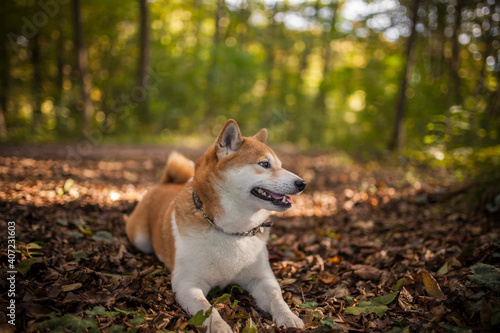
(178, 170)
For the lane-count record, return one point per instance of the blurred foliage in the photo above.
(320, 73)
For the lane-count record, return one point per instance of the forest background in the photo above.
(420, 77)
(388, 109)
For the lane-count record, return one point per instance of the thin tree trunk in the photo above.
(37, 84)
(85, 82)
(59, 79)
(267, 103)
(143, 59)
(494, 105)
(211, 82)
(455, 56)
(320, 119)
(397, 138)
(4, 86)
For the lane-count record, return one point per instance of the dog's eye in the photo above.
(265, 164)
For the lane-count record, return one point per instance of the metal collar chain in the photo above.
(252, 232)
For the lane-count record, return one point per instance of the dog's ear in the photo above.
(261, 136)
(229, 140)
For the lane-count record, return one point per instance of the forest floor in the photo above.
(366, 248)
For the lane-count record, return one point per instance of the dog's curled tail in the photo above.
(178, 170)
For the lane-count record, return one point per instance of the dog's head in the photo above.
(248, 172)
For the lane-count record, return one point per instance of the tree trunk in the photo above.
(455, 56)
(212, 70)
(37, 84)
(320, 119)
(59, 79)
(270, 64)
(397, 138)
(81, 55)
(144, 113)
(4, 86)
(494, 106)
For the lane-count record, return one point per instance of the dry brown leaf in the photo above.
(367, 272)
(431, 286)
(405, 299)
(71, 287)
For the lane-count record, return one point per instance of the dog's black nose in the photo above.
(300, 184)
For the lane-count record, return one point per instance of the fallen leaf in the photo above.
(309, 305)
(487, 275)
(71, 287)
(431, 286)
(367, 272)
(367, 307)
(405, 299)
(286, 282)
(24, 266)
(104, 236)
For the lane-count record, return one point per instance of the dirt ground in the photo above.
(366, 248)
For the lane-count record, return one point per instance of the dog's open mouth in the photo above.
(275, 198)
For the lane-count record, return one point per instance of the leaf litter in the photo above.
(365, 249)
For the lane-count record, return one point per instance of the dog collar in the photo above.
(198, 204)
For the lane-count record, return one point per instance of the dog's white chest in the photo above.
(216, 258)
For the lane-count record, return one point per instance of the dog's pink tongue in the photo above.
(275, 196)
(280, 197)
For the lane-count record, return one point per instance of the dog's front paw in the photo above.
(215, 324)
(288, 319)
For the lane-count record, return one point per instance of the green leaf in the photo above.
(367, 307)
(137, 320)
(386, 299)
(444, 269)
(24, 266)
(399, 330)
(398, 284)
(239, 288)
(104, 236)
(53, 323)
(349, 299)
(100, 311)
(62, 221)
(478, 295)
(221, 299)
(75, 234)
(456, 329)
(79, 223)
(483, 274)
(33, 249)
(330, 323)
(78, 325)
(116, 329)
(250, 328)
(79, 255)
(199, 317)
(378, 305)
(82, 226)
(126, 313)
(309, 305)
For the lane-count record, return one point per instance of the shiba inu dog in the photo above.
(206, 223)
